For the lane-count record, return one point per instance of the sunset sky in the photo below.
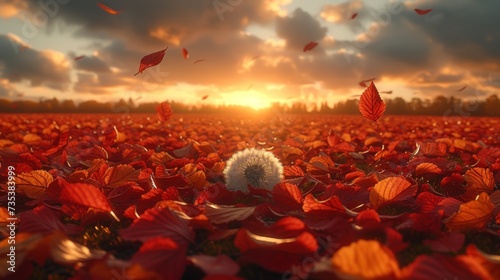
(253, 50)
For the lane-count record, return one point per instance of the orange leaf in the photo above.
(391, 189)
(108, 9)
(32, 139)
(34, 184)
(365, 259)
(427, 168)
(474, 214)
(197, 179)
(478, 180)
(320, 163)
(371, 104)
(288, 196)
(150, 60)
(164, 111)
(120, 175)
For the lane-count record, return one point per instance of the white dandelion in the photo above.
(258, 168)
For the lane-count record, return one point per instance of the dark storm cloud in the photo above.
(299, 29)
(46, 68)
(92, 64)
(156, 23)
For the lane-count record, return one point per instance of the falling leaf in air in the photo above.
(464, 87)
(371, 104)
(255, 57)
(108, 9)
(354, 15)
(79, 57)
(204, 97)
(310, 46)
(198, 61)
(151, 60)
(185, 53)
(423, 12)
(164, 111)
(363, 83)
(387, 92)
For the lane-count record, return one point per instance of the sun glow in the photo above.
(249, 98)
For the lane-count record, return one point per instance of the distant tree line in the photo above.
(440, 105)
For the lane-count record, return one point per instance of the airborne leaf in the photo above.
(151, 60)
(423, 12)
(371, 104)
(310, 46)
(108, 9)
(185, 53)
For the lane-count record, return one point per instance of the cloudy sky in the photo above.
(252, 49)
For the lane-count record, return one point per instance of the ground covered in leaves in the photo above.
(134, 197)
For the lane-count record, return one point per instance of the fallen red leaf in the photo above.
(162, 255)
(371, 104)
(159, 223)
(354, 15)
(164, 111)
(390, 190)
(77, 197)
(287, 196)
(151, 60)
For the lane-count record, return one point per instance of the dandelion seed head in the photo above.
(258, 168)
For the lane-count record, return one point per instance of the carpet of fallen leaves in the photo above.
(134, 197)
